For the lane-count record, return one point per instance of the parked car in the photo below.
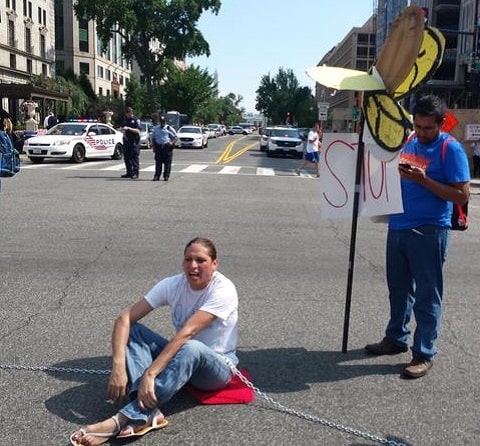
(192, 136)
(237, 130)
(284, 141)
(76, 141)
(264, 138)
(209, 132)
(146, 129)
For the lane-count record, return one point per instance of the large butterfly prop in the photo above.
(409, 57)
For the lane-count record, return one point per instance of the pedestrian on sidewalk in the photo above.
(476, 159)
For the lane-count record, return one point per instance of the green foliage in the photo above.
(152, 31)
(136, 97)
(282, 94)
(188, 91)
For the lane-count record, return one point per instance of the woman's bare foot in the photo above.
(98, 433)
(157, 421)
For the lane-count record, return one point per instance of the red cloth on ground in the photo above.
(236, 392)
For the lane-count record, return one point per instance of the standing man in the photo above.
(418, 238)
(476, 159)
(50, 120)
(130, 126)
(313, 146)
(163, 138)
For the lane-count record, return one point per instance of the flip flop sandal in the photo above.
(144, 429)
(96, 434)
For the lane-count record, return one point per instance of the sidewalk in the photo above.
(475, 186)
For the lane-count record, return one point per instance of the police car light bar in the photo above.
(83, 120)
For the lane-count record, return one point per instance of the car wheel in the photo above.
(36, 159)
(206, 143)
(78, 154)
(117, 153)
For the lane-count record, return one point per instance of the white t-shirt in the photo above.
(312, 146)
(218, 298)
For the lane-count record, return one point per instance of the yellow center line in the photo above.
(225, 157)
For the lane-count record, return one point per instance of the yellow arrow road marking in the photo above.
(225, 157)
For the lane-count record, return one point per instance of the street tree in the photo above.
(188, 91)
(153, 32)
(282, 100)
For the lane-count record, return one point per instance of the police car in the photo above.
(76, 140)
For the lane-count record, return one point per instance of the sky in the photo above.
(252, 38)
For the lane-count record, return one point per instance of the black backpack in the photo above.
(9, 157)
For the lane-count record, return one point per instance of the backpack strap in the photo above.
(459, 207)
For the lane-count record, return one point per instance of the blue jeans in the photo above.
(195, 363)
(415, 259)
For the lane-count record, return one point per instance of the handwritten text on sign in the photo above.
(379, 185)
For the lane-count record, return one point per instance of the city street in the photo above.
(78, 244)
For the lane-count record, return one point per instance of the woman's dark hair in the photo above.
(430, 105)
(206, 243)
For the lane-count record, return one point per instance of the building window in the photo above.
(43, 46)
(100, 91)
(39, 11)
(59, 67)
(44, 69)
(29, 66)
(108, 75)
(13, 61)
(25, 8)
(100, 71)
(83, 43)
(59, 26)
(121, 80)
(30, 9)
(11, 34)
(44, 15)
(84, 68)
(28, 40)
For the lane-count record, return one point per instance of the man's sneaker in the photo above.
(297, 171)
(126, 175)
(417, 368)
(385, 347)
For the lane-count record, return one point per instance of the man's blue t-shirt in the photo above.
(420, 206)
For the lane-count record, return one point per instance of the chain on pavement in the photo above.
(280, 407)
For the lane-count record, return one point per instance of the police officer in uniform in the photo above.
(130, 126)
(163, 138)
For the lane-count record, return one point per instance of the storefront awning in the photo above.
(27, 91)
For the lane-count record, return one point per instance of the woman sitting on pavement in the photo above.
(150, 368)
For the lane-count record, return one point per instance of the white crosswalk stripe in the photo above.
(218, 169)
(194, 168)
(230, 170)
(265, 171)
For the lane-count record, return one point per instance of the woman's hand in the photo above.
(117, 385)
(146, 397)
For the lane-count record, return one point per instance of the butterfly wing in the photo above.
(388, 122)
(344, 78)
(428, 60)
(401, 47)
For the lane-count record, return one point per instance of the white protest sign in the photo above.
(380, 192)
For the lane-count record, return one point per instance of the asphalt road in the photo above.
(77, 244)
